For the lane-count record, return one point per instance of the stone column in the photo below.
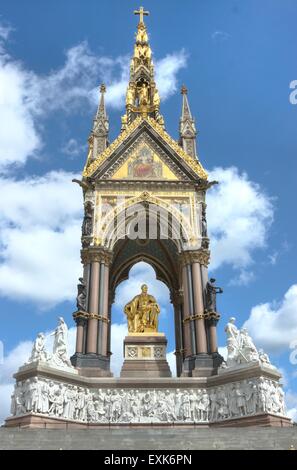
(104, 313)
(101, 293)
(213, 338)
(191, 304)
(201, 343)
(176, 299)
(87, 278)
(92, 332)
(80, 325)
(186, 314)
(212, 321)
(111, 296)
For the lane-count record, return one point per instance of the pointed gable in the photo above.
(168, 159)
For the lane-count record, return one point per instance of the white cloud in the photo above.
(219, 36)
(273, 325)
(291, 403)
(239, 217)
(273, 257)
(171, 359)
(40, 238)
(16, 358)
(5, 31)
(223, 352)
(284, 377)
(166, 73)
(19, 137)
(292, 413)
(117, 82)
(73, 148)
(26, 98)
(118, 333)
(5, 399)
(243, 279)
(71, 85)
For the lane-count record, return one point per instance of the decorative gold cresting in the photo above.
(142, 97)
(192, 162)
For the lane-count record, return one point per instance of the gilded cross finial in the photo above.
(102, 88)
(141, 12)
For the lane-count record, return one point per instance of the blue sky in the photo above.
(237, 59)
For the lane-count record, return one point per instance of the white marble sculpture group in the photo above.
(240, 347)
(72, 402)
(59, 357)
(75, 402)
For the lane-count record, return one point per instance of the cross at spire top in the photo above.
(141, 12)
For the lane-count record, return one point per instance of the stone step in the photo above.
(150, 439)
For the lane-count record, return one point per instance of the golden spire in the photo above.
(142, 97)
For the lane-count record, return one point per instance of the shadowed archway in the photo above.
(124, 292)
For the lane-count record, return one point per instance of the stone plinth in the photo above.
(145, 356)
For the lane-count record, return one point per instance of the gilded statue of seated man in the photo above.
(142, 313)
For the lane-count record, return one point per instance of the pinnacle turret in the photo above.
(98, 139)
(187, 128)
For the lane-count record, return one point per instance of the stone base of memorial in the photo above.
(145, 356)
(246, 395)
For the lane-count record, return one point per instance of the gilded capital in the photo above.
(96, 255)
(201, 256)
(212, 318)
(80, 318)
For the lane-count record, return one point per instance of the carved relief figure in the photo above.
(67, 401)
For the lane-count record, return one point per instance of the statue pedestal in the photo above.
(145, 356)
